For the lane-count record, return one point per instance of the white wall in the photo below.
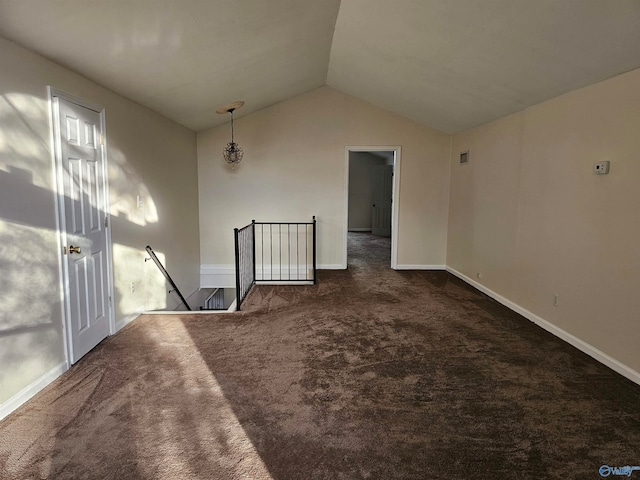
(148, 155)
(295, 167)
(530, 215)
(361, 188)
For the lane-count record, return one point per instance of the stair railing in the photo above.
(274, 252)
(166, 275)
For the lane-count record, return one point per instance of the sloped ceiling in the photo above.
(183, 58)
(455, 64)
(447, 64)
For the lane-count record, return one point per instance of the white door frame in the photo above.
(395, 197)
(60, 216)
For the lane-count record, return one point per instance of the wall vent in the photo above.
(464, 157)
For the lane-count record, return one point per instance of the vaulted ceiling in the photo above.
(448, 64)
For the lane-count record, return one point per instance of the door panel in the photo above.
(382, 197)
(84, 216)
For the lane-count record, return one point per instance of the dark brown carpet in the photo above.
(372, 373)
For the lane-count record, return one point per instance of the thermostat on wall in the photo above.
(601, 168)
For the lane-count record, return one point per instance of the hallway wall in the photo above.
(295, 166)
(530, 216)
(148, 155)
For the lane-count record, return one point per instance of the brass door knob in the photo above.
(73, 249)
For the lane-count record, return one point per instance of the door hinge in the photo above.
(106, 222)
(102, 139)
(64, 250)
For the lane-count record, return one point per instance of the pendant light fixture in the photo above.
(232, 153)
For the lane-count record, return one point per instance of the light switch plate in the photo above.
(601, 168)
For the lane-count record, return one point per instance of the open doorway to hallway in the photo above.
(370, 206)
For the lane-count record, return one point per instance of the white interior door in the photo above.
(382, 198)
(85, 237)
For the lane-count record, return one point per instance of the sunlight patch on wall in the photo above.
(130, 198)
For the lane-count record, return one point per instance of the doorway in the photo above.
(372, 187)
(81, 176)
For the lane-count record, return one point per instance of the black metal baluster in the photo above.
(253, 250)
(314, 250)
(280, 248)
(237, 248)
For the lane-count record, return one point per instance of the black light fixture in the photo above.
(232, 153)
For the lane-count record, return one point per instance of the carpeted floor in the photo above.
(371, 373)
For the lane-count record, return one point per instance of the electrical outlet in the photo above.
(133, 287)
(601, 168)
(556, 298)
(479, 275)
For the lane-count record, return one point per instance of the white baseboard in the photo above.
(420, 267)
(332, 266)
(581, 345)
(217, 276)
(30, 390)
(224, 276)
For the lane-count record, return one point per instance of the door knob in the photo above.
(73, 249)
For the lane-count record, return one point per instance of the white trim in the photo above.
(351, 229)
(58, 208)
(231, 309)
(218, 276)
(581, 345)
(224, 275)
(107, 214)
(30, 390)
(395, 195)
(420, 267)
(332, 266)
(54, 95)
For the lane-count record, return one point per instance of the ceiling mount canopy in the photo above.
(232, 153)
(230, 107)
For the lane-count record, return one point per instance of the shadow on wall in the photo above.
(30, 311)
(31, 330)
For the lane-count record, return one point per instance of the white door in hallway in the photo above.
(82, 179)
(382, 198)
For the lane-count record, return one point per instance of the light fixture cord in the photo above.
(231, 112)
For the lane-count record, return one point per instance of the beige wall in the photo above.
(361, 188)
(530, 215)
(295, 167)
(148, 155)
